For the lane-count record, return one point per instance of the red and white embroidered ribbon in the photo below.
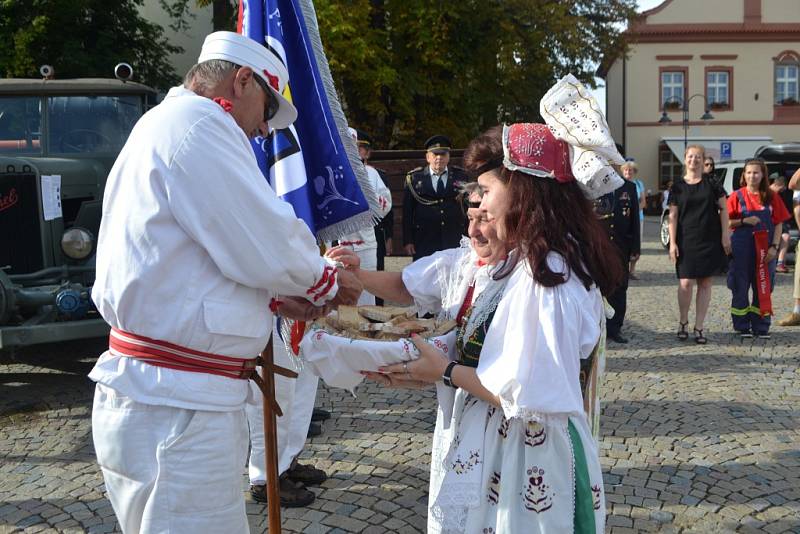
(172, 356)
(325, 283)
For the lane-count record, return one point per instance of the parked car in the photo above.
(782, 159)
(58, 141)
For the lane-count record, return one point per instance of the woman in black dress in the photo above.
(698, 245)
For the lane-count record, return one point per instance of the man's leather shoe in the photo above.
(292, 494)
(617, 338)
(314, 430)
(308, 475)
(318, 414)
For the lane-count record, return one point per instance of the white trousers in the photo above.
(170, 469)
(369, 262)
(296, 398)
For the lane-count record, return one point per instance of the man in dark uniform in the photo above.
(433, 218)
(385, 228)
(619, 212)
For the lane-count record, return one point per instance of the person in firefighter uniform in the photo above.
(189, 281)
(752, 208)
(618, 212)
(433, 216)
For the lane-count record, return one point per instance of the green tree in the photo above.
(406, 69)
(223, 15)
(81, 38)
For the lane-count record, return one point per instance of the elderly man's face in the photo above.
(251, 104)
(438, 162)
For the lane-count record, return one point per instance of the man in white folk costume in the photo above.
(296, 396)
(189, 280)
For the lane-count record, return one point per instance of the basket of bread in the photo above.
(356, 338)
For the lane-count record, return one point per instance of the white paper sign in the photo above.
(51, 196)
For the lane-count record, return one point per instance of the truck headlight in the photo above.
(77, 243)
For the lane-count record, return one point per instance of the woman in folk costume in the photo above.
(513, 450)
(756, 217)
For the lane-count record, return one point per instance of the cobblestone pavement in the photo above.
(694, 439)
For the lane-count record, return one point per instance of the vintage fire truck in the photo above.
(58, 141)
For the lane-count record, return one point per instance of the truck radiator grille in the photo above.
(20, 236)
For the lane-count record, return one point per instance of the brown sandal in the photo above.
(683, 335)
(699, 338)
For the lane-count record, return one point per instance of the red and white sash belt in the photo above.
(171, 356)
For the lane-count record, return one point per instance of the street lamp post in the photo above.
(707, 116)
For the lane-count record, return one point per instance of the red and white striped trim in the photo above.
(351, 243)
(171, 356)
(323, 286)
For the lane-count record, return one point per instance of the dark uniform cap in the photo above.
(364, 139)
(438, 144)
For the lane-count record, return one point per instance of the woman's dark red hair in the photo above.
(546, 216)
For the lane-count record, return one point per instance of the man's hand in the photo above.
(389, 247)
(410, 249)
(349, 289)
(300, 309)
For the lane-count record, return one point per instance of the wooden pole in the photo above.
(271, 411)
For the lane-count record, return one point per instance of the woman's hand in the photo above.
(346, 256)
(427, 369)
(751, 220)
(726, 242)
(772, 253)
(673, 252)
(393, 382)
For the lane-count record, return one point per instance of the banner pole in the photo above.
(271, 442)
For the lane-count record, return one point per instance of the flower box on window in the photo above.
(672, 105)
(788, 102)
(719, 105)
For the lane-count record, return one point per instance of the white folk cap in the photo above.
(246, 52)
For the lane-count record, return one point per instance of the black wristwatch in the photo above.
(447, 376)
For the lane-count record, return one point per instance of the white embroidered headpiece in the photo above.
(574, 116)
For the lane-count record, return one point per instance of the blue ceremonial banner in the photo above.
(307, 164)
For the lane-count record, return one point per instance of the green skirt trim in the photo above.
(584, 505)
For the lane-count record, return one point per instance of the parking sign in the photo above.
(725, 150)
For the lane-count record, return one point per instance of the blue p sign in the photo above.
(725, 150)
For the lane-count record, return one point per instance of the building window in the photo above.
(669, 167)
(787, 76)
(672, 88)
(786, 84)
(718, 88)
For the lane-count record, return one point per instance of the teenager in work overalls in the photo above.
(752, 208)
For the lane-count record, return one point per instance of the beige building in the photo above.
(737, 59)
(191, 40)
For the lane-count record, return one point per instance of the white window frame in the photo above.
(715, 87)
(782, 81)
(671, 89)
